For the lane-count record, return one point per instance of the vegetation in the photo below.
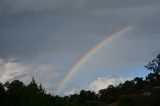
(136, 92)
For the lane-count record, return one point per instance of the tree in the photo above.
(154, 68)
(2, 89)
(15, 93)
(2, 94)
(35, 88)
(109, 95)
(154, 65)
(139, 83)
(128, 87)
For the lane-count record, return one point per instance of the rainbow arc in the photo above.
(88, 54)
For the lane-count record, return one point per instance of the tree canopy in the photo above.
(136, 92)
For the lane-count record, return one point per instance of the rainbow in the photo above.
(89, 54)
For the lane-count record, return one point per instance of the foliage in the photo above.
(136, 92)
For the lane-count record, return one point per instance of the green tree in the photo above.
(154, 67)
(2, 94)
(128, 87)
(140, 84)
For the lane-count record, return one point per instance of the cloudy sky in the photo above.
(44, 39)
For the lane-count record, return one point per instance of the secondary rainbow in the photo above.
(89, 54)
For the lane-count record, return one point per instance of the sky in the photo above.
(45, 38)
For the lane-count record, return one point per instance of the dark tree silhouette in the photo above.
(154, 67)
(136, 92)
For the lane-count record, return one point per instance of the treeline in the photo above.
(136, 92)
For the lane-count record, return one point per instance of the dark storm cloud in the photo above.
(15, 6)
(27, 27)
(59, 30)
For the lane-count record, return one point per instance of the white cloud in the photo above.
(104, 82)
(9, 70)
(70, 92)
(44, 73)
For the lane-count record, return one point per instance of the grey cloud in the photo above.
(60, 31)
(10, 7)
(18, 77)
(104, 82)
(45, 74)
(19, 6)
(27, 36)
